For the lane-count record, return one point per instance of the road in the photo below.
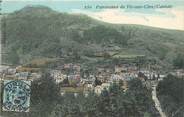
(156, 101)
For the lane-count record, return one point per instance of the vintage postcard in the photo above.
(92, 58)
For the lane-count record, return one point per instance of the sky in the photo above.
(170, 16)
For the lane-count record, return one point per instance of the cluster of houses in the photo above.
(178, 73)
(70, 75)
(69, 72)
(14, 73)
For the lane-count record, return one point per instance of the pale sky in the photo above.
(174, 21)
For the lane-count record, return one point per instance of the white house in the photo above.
(58, 76)
(11, 71)
(3, 68)
(106, 85)
(22, 75)
(35, 76)
(98, 89)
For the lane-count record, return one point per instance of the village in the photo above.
(71, 78)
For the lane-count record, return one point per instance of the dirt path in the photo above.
(157, 103)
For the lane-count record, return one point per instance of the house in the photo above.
(76, 94)
(125, 85)
(100, 69)
(55, 73)
(115, 78)
(72, 67)
(35, 76)
(89, 80)
(76, 67)
(92, 77)
(22, 75)
(98, 89)
(125, 68)
(88, 87)
(161, 77)
(151, 75)
(66, 66)
(132, 68)
(11, 71)
(62, 92)
(74, 80)
(106, 85)
(58, 76)
(103, 76)
(3, 68)
(179, 73)
(86, 94)
(27, 69)
(128, 76)
(120, 68)
(142, 77)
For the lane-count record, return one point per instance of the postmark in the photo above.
(16, 96)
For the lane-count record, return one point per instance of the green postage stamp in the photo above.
(16, 96)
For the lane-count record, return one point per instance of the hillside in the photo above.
(39, 32)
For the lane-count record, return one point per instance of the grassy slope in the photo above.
(36, 32)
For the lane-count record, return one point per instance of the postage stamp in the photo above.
(16, 96)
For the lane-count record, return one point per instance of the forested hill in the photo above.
(38, 31)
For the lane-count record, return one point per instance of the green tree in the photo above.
(178, 62)
(171, 90)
